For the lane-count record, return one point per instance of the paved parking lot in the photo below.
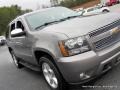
(26, 79)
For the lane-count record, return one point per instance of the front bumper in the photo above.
(91, 63)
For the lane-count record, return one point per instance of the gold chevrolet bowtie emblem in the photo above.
(115, 30)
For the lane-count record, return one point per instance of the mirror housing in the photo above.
(17, 32)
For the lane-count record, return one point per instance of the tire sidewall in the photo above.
(105, 11)
(61, 84)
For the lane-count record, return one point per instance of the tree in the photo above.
(72, 3)
(7, 14)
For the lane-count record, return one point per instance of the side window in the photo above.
(12, 27)
(89, 10)
(97, 8)
(19, 25)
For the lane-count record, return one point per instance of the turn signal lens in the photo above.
(63, 50)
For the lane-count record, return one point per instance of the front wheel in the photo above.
(51, 75)
(105, 11)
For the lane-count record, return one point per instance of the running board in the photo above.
(33, 67)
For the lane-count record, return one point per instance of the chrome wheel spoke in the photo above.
(55, 80)
(45, 71)
(49, 75)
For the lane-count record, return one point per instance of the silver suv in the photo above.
(67, 48)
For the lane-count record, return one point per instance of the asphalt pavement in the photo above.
(12, 78)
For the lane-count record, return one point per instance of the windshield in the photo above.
(50, 15)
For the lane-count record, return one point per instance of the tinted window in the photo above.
(12, 27)
(98, 8)
(91, 9)
(20, 25)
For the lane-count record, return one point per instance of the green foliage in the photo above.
(72, 3)
(7, 14)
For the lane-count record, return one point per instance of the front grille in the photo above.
(104, 29)
(107, 41)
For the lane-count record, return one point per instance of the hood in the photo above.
(82, 25)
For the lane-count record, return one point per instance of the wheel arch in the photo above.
(39, 52)
(105, 10)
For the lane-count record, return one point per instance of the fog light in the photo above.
(84, 76)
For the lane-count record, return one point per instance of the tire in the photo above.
(16, 61)
(55, 81)
(105, 11)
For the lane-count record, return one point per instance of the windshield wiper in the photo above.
(48, 23)
(70, 17)
(45, 24)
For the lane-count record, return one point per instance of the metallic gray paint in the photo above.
(70, 67)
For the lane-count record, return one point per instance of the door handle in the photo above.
(19, 43)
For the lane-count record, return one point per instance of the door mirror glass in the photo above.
(17, 32)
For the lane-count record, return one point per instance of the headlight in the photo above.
(74, 46)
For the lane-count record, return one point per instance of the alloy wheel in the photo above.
(49, 75)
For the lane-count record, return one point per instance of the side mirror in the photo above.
(17, 32)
